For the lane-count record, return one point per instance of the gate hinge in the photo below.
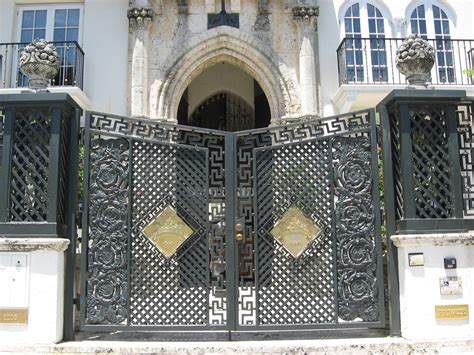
(77, 302)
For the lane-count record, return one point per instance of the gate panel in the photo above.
(148, 186)
(295, 182)
(294, 291)
(195, 229)
(169, 176)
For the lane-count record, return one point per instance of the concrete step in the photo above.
(386, 346)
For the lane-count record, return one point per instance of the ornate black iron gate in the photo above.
(194, 229)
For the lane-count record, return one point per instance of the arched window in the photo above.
(444, 48)
(418, 21)
(378, 54)
(354, 54)
(364, 27)
(431, 22)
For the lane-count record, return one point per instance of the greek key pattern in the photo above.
(140, 167)
(278, 168)
(357, 284)
(307, 128)
(465, 117)
(107, 286)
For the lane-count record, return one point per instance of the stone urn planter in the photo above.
(40, 62)
(415, 58)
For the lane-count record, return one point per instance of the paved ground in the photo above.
(354, 346)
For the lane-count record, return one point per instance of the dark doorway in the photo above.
(227, 112)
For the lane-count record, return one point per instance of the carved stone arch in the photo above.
(225, 44)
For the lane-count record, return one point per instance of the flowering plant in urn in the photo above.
(415, 58)
(40, 62)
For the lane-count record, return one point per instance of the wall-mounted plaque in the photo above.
(416, 259)
(450, 285)
(452, 312)
(13, 315)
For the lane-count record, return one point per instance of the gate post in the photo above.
(427, 144)
(38, 203)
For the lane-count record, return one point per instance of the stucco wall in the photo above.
(396, 13)
(104, 41)
(106, 44)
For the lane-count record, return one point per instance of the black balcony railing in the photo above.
(71, 72)
(373, 61)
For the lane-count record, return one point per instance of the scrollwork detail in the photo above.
(355, 228)
(107, 287)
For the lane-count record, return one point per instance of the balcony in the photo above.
(372, 61)
(367, 69)
(70, 74)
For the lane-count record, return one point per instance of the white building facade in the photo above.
(236, 65)
(305, 57)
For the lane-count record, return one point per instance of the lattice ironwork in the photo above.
(2, 120)
(311, 167)
(63, 174)
(432, 184)
(289, 291)
(292, 166)
(176, 167)
(395, 151)
(465, 119)
(30, 164)
(169, 291)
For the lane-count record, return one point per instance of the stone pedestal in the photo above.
(420, 289)
(32, 303)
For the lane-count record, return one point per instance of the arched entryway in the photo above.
(229, 45)
(224, 97)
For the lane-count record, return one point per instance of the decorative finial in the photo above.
(40, 62)
(415, 58)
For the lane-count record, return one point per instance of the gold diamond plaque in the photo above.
(295, 232)
(168, 232)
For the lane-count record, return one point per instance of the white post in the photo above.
(140, 20)
(436, 274)
(306, 17)
(32, 290)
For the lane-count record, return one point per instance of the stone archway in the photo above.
(225, 44)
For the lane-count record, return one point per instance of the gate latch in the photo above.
(239, 230)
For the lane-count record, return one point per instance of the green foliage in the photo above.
(381, 191)
(80, 174)
(469, 72)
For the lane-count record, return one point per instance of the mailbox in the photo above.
(13, 280)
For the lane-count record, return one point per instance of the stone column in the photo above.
(398, 27)
(262, 23)
(306, 17)
(140, 20)
(210, 6)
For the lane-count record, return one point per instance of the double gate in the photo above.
(194, 229)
